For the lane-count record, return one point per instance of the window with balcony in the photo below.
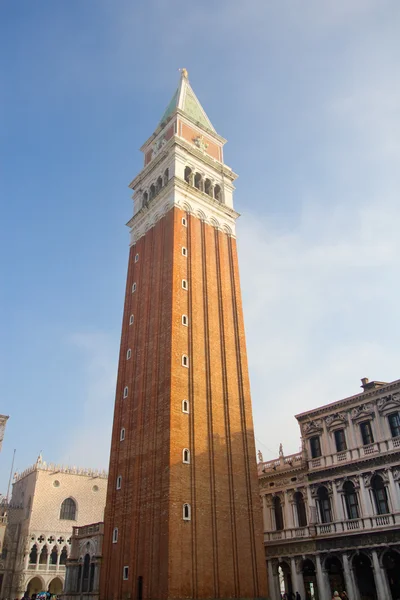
(394, 424)
(380, 495)
(315, 447)
(300, 509)
(351, 500)
(278, 513)
(340, 440)
(366, 433)
(324, 502)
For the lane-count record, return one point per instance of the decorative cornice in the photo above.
(364, 411)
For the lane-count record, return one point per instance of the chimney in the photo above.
(364, 383)
(368, 385)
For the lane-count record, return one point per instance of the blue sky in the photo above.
(307, 94)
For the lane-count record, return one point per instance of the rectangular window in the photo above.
(126, 573)
(340, 440)
(119, 482)
(115, 535)
(366, 433)
(122, 435)
(315, 446)
(394, 424)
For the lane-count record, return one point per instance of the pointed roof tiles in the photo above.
(187, 102)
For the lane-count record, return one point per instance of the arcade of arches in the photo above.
(370, 574)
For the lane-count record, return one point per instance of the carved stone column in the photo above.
(394, 489)
(288, 513)
(324, 592)
(337, 502)
(297, 577)
(381, 583)
(365, 499)
(273, 581)
(351, 588)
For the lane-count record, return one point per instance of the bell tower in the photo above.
(183, 516)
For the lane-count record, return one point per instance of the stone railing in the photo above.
(336, 527)
(351, 454)
(88, 530)
(284, 462)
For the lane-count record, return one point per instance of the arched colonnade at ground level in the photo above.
(368, 574)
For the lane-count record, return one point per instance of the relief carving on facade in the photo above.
(362, 411)
(339, 483)
(339, 418)
(387, 403)
(314, 426)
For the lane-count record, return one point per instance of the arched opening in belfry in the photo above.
(159, 184)
(166, 176)
(188, 174)
(217, 193)
(152, 191)
(145, 198)
(208, 187)
(198, 181)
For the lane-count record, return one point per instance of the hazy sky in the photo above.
(307, 94)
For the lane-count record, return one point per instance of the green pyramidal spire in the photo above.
(186, 100)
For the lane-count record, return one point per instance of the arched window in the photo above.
(186, 456)
(122, 434)
(278, 513)
(380, 495)
(217, 193)
(125, 391)
(86, 572)
(131, 318)
(152, 191)
(91, 581)
(186, 512)
(351, 500)
(324, 505)
(166, 176)
(159, 184)
(115, 535)
(68, 510)
(185, 406)
(33, 555)
(188, 174)
(208, 187)
(145, 198)
(185, 361)
(128, 354)
(300, 509)
(64, 556)
(198, 181)
(119, 482)
(43, 556)
(54, 556)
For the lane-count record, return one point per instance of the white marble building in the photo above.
(47, 502)
(332, 511)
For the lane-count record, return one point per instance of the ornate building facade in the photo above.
(332, 511)
(183, 518)
(47, 501)
(82, 576)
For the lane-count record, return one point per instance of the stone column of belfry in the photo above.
(183, 516)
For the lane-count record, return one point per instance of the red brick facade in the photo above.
(219, 552)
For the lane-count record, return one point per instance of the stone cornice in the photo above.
(357, 466)
(346, 402)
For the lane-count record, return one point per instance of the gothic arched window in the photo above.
(186, 512)
(300, 509)
(86, 571)
(324, 505)
(159, 184)
(33, 555)
(188, 174)
(208, 187)
(198, 181)
(54, 556)
(68, 510)
(278, 513)
(64, 556)
(217, 193)
(43, 556)
(186, 456)
(166, 176)
(380, 495)
(351, 500)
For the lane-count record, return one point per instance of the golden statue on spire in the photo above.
(184, 73)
